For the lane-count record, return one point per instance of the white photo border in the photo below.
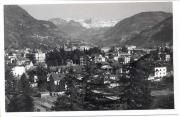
(176, 48)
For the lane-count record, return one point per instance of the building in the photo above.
(160, 72)
(18, 71)
(59, 81)
(127, 59)
(29, 65)
(99, 59)
(26, 52)
(105, 49)
(116, 58)
(84, 60)
(58, 78)
(61, 93)
(106, 67)
(40, 57)
(44, 94)
(167, 57)
(121, 54)
(124, 59)
(69, 62)
(12, 55)
(84, 47)
(34, 83)
(130, 48)
(113, 85)
(113, 77)
(35, 79)
(74, 48)
(12, 60)
(22, 61)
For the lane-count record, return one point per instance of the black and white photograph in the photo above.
(88, 57)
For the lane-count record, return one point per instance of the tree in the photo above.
(21, 103)
(41, 73)
(51, 86)
(91, 100)
(31, 74)
(136, 93)
(164, 102)
(124, 49)
(24, 85)
(86, 87)
(62, 104)
(72, 91)
(10, 81)
(112, 49)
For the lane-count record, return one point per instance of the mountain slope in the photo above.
(159, 34)
(131, 27)
(21, 30)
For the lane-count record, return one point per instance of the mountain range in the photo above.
(82, 29)
(86, 23)
(145, 29)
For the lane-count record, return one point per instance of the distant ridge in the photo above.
(81, 29)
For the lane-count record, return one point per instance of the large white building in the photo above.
(105, 49)
(168, 57)
(40, 57)
(127, 59)
(84, 47)
(131, 48)
(18, 71)
(160, 72)
(116, 58)
(99, 59)
(29, 66)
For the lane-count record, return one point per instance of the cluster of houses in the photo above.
(28, 59)
(24, 60)
(73, 45)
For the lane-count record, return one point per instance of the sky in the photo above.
(110, 11)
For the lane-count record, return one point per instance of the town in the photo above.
(77, 77)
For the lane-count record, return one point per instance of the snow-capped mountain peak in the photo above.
(95, 23)
(87, 23)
